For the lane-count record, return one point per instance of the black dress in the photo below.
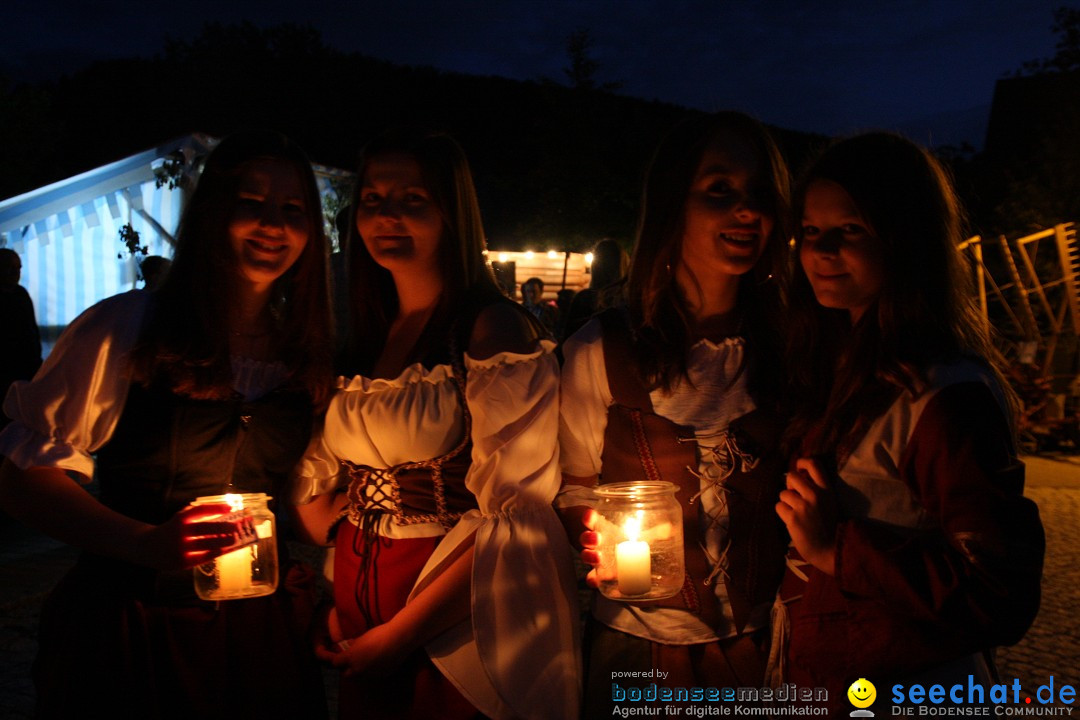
(134, 642)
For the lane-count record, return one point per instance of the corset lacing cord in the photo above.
(727, 452)
(725, 455)
(717, 486)
(720, 564)
(366, 514)
(366, 544)
(720, 567)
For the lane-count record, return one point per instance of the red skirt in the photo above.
(372, 580)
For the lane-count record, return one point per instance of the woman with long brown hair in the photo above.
(679, 384)
(452, 577)
(203, 387)
(914, 551)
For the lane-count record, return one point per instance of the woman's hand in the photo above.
(379, 651)
(46, 499)
(808, 508)
(590, 542)
(573, 520)
(188, 538)
(326, 632)
(437, 605)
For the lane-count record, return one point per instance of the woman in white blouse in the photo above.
(208, 385)
(453, 582)
(679, 384)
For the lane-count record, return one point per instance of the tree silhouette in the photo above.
(555, 166)
(581, 72)
(1067, 26)
(1029, 174)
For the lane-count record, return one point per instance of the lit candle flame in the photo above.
(632, 528)
(235, 501)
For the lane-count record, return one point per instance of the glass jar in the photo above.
(249, 571)
(641, 540)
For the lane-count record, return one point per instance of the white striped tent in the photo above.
(68, 233)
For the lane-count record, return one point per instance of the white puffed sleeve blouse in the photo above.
(72, 406)
(519, 654)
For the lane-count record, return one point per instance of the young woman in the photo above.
(915, 552)
(453, 582)
(689, 366)
(205, 385)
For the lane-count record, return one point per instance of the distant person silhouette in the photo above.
(153, 269)
(19, 336)
(609, 266)
(532, 298)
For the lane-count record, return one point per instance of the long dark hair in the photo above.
(661, 322)
(465, 272)
(924, 313)
(186, 337)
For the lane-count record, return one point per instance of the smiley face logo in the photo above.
(862, 693)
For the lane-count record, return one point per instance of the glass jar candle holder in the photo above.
(641, 540)
(249, 571)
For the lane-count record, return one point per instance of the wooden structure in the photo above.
(1029, 290)
(1035, 287)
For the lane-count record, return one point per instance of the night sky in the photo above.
(926, 67)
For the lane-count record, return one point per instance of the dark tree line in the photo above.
(1028, 175)
(556, 166)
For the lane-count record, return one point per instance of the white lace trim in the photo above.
(417, 373)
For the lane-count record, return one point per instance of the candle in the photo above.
(633, 562)
(248, 566)
(234, 570)
(640, 541)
